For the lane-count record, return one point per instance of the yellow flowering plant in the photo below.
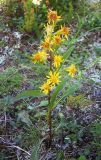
(59, 78)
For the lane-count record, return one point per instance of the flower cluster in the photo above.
(52, 80)
(40, 56)
(48, 52)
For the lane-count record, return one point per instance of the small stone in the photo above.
(2, 60)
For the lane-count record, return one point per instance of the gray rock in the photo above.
(2, 60)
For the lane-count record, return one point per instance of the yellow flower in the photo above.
(52, 16)
(44, 56)
(71, 70)
(57, 40)
(64, 31)
(45, 88)
(40, 57)
(36, 58)
(46, 44)
(57, 60)
(53, 78)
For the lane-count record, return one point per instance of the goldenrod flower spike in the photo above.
(53, 78)
(57, 61)
(53, 17)
(71, 70)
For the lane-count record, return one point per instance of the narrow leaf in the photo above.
(67, 93)
(56, 92)
(68, 53)
(24, 117)
(29, 93)
(35, 151)
(43, 103)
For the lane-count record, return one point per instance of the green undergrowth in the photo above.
(25, 122)
(10, 81)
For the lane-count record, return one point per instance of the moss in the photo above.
(79, 101)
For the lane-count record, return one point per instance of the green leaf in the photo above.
(56, 92)
(68, 53)
(68, 92)
(35, 151)
(82, 158)
(24, 117)
(43, 103)
(29, 93)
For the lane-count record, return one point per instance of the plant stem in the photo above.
(50, 112)
(50, 127)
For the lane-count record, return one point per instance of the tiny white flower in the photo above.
(36, 2)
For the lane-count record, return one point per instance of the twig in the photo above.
(17, 147)
(14, 146)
